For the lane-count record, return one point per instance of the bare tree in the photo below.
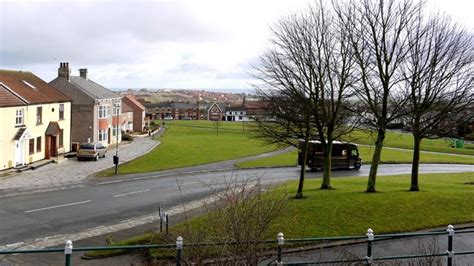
(310, 70)
(377, 31)
(333, 64)
(286, 77)
(438, 78)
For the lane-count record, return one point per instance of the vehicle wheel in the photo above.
(96, 157)
(103, 156)
(357, 166)
(79, 158)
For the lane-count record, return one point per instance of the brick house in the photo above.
(95, 109)
(138, 113)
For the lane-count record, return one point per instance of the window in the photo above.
(38, 144)
(114, 131)
(61, 138)
(19, 117)
(240, 117)
(103, 135)
(61, 111)
(103, 111)
(39, 115)
(116, 110)
(32, 146)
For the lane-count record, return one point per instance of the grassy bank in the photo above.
(404, 140)
(388, 156)
(188, 143)
(443, 199)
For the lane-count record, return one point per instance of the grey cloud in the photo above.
(94, 32)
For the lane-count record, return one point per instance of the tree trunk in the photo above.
(375, 161)
(326, 183)
(299, 193)
(416, 163)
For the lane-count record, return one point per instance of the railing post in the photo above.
(281, 242)
(370, 238)
(160, 211)
(179, 250)
(68, 252)
(450, 245)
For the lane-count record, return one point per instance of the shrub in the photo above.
(126, 137)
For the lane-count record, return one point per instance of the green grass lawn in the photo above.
(444, 199)
(346, 210)
(188, 143)
(388, 156)
(405, 141)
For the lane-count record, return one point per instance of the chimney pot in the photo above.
(64, 71)
(83, 73)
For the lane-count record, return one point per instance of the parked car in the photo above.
(91, 151)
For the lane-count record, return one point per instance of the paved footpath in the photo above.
(72, 172)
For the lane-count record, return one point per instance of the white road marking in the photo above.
(59, 206)
(130, 193)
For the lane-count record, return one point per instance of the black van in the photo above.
(344, 155)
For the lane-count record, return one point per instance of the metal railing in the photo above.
(280, 242)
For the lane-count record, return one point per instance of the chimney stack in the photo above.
(64, 71)
(83, 73)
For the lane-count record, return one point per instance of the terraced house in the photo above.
(35, 120)
(95, 109)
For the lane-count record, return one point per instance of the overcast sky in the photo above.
(152, 44)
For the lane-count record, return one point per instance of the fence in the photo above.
(280, 242)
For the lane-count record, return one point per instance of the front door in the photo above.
(19, 152)
(54, 147)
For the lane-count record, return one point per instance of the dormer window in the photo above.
(28, 84)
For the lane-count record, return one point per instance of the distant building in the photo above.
(215, 113)
(138, 113)
(35, 120)
(174, 110)
(236, 113)
(95, 109)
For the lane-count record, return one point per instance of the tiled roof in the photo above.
(8, 99)
(134, 101)
(93, 89)
(234, 108)
(19, 133)
(30, 88)
(53, 129)
(126, 108)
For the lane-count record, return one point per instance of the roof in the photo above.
(53, 129)
(7, 98)
(29, 88)
(234, 108)
(93, 89)
(125, 107)
(19, 133)
(131, 100)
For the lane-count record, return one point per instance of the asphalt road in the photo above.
(98, 203)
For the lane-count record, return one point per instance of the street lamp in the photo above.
(117, 115)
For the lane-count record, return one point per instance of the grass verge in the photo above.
(347, 210)
(188, 143)
(404, 140)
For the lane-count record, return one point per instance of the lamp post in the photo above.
(116, 158)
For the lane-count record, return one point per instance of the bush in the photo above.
(469, 137)
(126, 137)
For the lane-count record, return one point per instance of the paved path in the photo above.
(71, 171)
